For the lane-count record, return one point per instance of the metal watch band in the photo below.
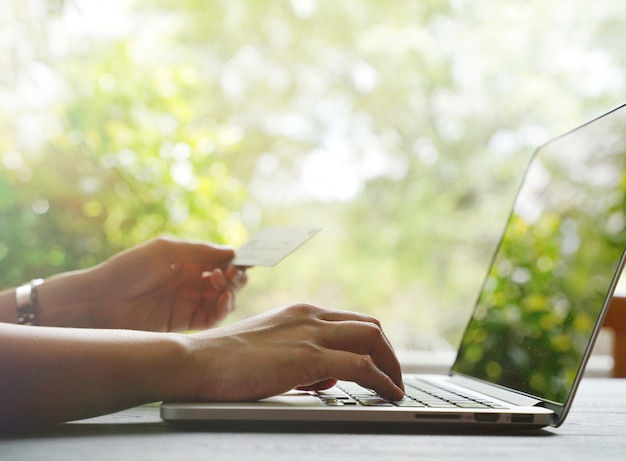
(27, 302)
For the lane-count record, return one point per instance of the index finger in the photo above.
(367, 339)
(209, 255)
(362, 334)
(348, 366)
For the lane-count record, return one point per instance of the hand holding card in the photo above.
(270, 246)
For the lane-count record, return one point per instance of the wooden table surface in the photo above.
(595, 429)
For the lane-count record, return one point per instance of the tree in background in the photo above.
(401, 128)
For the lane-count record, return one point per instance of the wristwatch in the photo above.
(27, 302)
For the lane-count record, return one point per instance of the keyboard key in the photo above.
(470, 405)
(374, 402)
(408, 403)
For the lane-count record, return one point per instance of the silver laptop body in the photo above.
(535, 321)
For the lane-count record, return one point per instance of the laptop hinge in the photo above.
(495, 391)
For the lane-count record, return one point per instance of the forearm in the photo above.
(8, 307)
(64, 300)
(50, 375)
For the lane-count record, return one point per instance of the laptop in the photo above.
(533, 327)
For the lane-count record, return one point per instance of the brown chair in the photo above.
(615, 320)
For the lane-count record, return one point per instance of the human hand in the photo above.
(298, 346)
(166, 285)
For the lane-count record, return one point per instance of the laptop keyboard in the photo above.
(418, 393)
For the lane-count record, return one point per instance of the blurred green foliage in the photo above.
(401, 128)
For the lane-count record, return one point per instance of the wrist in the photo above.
(66, 300)
(154, 367)
(173, 374)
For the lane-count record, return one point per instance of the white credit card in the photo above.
(271, 245)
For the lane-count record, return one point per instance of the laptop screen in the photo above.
(556, 263)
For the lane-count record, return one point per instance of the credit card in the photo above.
(272, 245)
